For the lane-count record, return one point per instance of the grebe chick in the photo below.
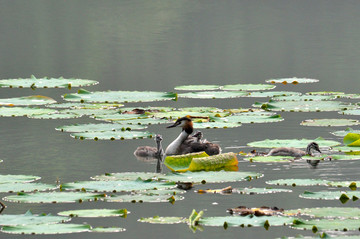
(297, 153)
(147, 151)
(185, 143)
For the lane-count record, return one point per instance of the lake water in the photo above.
(157, 45)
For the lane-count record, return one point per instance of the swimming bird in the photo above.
(147, 151)
(186, 143)
(298, 153)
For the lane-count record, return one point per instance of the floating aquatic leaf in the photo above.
(54, 197)
(248, 87)
(330, 195)
(127, 176)
(293, 80)
(112, 135)
(199, 162)
(133, 121)
(255, 117)
(269, 159)
(88, 106)
(28, 100)
(342, 133)
(163, 220)
(304, 106)
(350, 112)
(352, 140)
(272, 93)
(95, 213)
(25, 187)
(325, 93)
(98, 127)
(181, 113)
(8, 178)
(327, 212)
(215, 125)
(346, 149)
(107, 229)
(23, 111)
(29, 219)
(92, 112)
(116, 186)
(296, 143)
(260, 190)
(56, 115)
(245, 221)
(119, 96)
(140, 198)
(304, 98)
(45, 82)
(329, 122)
(213, 94)
(197, 87)
(327, 224)
(60, 228)
(299, 182)
(350, 184)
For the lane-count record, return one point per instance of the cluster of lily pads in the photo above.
(120, 122)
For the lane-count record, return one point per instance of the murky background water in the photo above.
(157, 45)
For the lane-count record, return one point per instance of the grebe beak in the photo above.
(174, 125)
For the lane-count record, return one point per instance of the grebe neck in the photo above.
(174, 147)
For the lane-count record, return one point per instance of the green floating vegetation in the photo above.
(119, 96)
(352, 140)
(91, 112)
(270, 94)
(269, 159)
(260, 190)
(145, 197)
(246, 221)
(27, 100)
(299, 182)
(198, 87)
(24, 111)
(30, 219)
(180, 113)
(342, 133)
(248, 87)
(327, 212)
(327, 224)
(134, 120)
(215, 125)
(346, 149)
(45, 82)
(329, 122)
(293, 80)
(304, 106)
(213, 94)
(252, 117)
(344, 196)
(163, 220)
(107, 229)
(54, 197)
(99, 127)
(95, 213)
(56, 115)
(112, 135)
(86, 106)
(128, 176)
(201, 161)
(304, 98)
(47, 229)
(25, 187)
(9, 178)
(296, 143)
(350, 112)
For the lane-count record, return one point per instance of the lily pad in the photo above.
(327, 224)
(331, 195)
(29, 219)
(163, 220)
(25, 187)
(293, 80)
(327, 212)
(74, 105)
(127, 176)
(329, 122)
(304, 106)
(61, 228)
(112, 135)
(304, 98)
(107, 229)
(98, 127)
(245, 221)
(352, 140)
(54, 197)
(45, 82)
(260, 190)
(8, 178)
(144, 197)
(269, 159)
(350, 112)
(197, 87)
(119, 96)
(342, 133)
(246, 118)
(213, 94)
(346, 149)
(140, 121)
(95, 213)
(296, 143)
(271, 94)
(248, 87)
(23, 111)
(299, 182)
(215, 125)
(56, 115)
(28, 100)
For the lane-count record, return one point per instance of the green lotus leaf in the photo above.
(180, 113)
(304, 98)
(255, 117)
(260, 190)
(60, 228)
(45, 82)
(112, 135)
(248, 87)
(116, 186)
(293, 80)
(147, 110)
(215, 125)
(107, 229)
(245, 221)
(119, 96)
(333, 157)
(271, 94)
(342, 133)
(98, 127)
(94, 213)
(296, 143)
(331, 195)
(269, 159)
(352, 140)
(346, 149)
(197, 87)
(56, 115)
(140, 198)
(86, 106)
(8, 178)
(350, 184)
(120, 117)
(23, 111)
(28, 100)
(325, 93)
(202, 109)
(29, 219)
(140, 121)
(350, 112)
(163, 220)
(213, 94)
(329, 122)
(327, 224)
(54, 197)
(25, 187)
(304, 106)
(200, 161)
(91, 112)
(299, 182)
(127, 176)
(327, 212)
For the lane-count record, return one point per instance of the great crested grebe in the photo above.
(185, 143)
(298, 153)
(147, 151)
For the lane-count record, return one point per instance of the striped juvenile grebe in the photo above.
(185, 143)
(147, 151)
(297, 153)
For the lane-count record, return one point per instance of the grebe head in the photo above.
(313, 146)
(158, 138)
(185, 123)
